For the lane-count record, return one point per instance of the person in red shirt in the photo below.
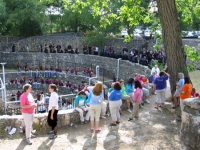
(42, 80)
(67, 84)
(76, 72)
(79, 88)
(67, 70)
(72, 71)
(26, 67)
(18, 67)
(61, 83)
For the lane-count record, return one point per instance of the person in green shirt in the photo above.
(80, 106)
(125, 96)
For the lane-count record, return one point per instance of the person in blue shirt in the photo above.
(114, 104)
(160, 85)
(80, 106)
(97, 97)
(130, 87)
(179, 86)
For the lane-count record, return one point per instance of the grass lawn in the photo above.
(195, 77)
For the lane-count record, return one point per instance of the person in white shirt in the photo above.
(40, 103)
(53, 110)
(156, 70)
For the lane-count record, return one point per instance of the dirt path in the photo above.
(154, 130)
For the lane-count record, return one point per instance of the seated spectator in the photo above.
(26, 67)
(143, 61)
(156, 70)
(80, 106)
(30, 81)
(18, 67)
(152, 77)
(72, 71)
(61, 83)
(30, 71)
(79, 88)
(35, 83)
(36, 72)
(69, 105)
(41, 104)
(193, 92)
(18, 94)
(42, 80)
(125, 96)
(13, 97)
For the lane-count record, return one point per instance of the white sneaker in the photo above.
(108, 114)
(28, 140)
(129, 110)
(147, 101)
(155, 93)
(141, 106)
(103, 117)
(33, 136)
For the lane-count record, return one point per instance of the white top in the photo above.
(53, 101)
(156, 70)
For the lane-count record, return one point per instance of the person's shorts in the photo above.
(126, 97)
(145, 92)
(177, 93)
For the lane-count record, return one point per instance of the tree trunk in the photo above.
(172, 40)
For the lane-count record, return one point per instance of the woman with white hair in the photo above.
(179, 86)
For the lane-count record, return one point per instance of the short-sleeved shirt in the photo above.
(181, 84)
(187, 89)
(53, 101)
(80, 101)
(160, 82)
(27, 99)
(138, 92)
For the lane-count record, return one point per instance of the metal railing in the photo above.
(65, 102)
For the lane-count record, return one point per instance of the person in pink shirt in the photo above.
(28, 107)
(137, 98)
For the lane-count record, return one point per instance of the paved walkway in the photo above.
(154, 130)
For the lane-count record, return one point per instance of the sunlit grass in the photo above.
(195, 77)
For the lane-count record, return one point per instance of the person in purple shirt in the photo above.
(160, 86)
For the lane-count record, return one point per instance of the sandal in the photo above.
(112, 124)
(156, 107)
(91, 129)
(98, 130)
(174, 107)
(117, 122)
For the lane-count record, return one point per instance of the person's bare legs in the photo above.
(96, 124)
(92, 124)
(175, 101)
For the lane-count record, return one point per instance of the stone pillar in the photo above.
(190, 126)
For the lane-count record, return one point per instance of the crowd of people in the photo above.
(90, 100)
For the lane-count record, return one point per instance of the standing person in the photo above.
(28, 107)
(27, 47)
(137, 98)
(53, 110)
(97, 97)
(41, 104)
(80, 106)
(160, 85)
(179, 86)
(114, 104)
(185, 92)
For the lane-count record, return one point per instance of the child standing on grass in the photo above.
(137, 98)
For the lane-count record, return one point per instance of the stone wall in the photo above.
(7, 41)
(190, 42)
(190, 126)
(108, 65)
(40, 121)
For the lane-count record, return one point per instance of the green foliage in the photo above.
(95, 38)
(27, 14)
(193, 56)
(161, 66)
